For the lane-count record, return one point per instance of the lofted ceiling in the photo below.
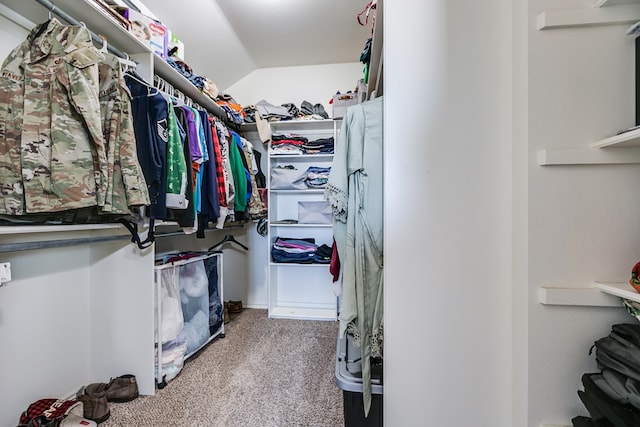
(227, 39)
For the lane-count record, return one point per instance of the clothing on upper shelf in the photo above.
(297, 144)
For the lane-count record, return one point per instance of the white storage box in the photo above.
(341, 102)
(314, 212)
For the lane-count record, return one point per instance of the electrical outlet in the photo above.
(5, 272)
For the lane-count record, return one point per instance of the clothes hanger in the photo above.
(369, 6)
(228, 238)
(134, 76)
(103, 48)
(127, 63)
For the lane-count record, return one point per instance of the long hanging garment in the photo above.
(69, 152)
(354, 191)
(51, 125)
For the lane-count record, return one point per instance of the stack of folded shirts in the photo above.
(293, 250)
(300, 251)
(287, 144)
(319, 146)
(317, 177)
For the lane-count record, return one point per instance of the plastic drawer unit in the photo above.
(349, 379)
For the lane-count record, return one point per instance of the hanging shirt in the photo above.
(210, 205)
(236, 155)
(126, 186)
(150, 110)
(230, 187)
(53, 156)
(176, 164)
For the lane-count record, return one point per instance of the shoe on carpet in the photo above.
(96, 407)
(121, 389)
(225, 313)
(235, 307)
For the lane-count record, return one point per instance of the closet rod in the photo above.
(206, 230)
(47, 244)
(70, 20)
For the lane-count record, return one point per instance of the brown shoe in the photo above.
(235, 307)
(120, 389)
(225, 313)
(95, 408)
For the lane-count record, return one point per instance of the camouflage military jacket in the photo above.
(126, 186)
(52, 152)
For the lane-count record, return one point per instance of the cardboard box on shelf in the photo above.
(147, 30)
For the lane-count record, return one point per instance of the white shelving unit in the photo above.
(300, 291)
(619, 149)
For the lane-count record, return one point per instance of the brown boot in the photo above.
(95, 408)
(235, 307)
(120, 389)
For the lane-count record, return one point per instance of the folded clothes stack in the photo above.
(300, 251)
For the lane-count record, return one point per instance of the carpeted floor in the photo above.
(264, 373)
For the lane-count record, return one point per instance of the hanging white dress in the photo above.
(354, 191)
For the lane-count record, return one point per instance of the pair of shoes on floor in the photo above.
(235, 307)
(96, 396)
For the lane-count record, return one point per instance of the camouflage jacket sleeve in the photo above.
(126, 186)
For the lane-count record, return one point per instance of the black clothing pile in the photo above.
(612, 396)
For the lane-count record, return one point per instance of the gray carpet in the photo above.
(264, 373)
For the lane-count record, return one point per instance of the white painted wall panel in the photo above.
(448, 219)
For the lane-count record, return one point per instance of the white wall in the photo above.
(582, 220)
(448, 127)
(312, 83)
